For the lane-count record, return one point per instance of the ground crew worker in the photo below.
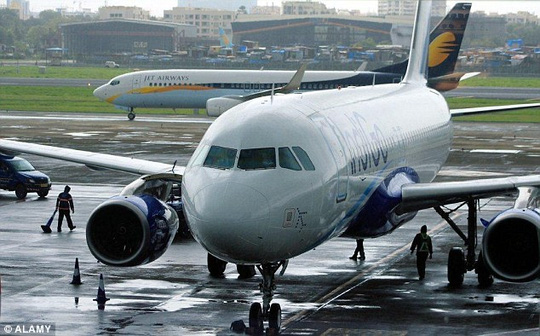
(422, 241)
(64, 203)
(359, 249)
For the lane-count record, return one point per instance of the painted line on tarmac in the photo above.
(356, 280)
(175, 119)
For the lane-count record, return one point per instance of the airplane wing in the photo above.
(90, 159)
(427, 195)
(490, 109)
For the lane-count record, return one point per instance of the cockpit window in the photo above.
(287, 159)
(304, 158)
(220, 157)
(257, 158)
(115, 82)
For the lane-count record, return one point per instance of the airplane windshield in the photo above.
(257, 158)
(304, 158)
(287, 159)
(220, 157)
(115, 82)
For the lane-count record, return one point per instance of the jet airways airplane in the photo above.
(275, 177)
(218, 90)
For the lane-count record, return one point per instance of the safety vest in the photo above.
(423, 246)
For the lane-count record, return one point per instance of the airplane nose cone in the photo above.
(100, 93)
(229, 219)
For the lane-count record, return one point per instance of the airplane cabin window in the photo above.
(304, 158)
(257, 158)
(287, 159)
(220, 157)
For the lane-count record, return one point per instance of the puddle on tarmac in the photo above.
(180, 302)
(496, 151)
(507, 298)
(174, 143)
(145, 284)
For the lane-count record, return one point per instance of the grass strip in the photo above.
(80, 99)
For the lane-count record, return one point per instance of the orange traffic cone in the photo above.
(76, 274)
(101, 298)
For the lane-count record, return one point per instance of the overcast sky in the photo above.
(156, 7)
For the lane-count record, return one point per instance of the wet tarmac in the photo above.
(321, 293)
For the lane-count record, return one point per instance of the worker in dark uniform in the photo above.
(64, 203)
(422, 243)
(359, 250)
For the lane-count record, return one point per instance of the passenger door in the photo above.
(136, 83)
(330, 133)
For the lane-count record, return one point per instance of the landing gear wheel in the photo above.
(216, 266)
(456, 267)
(256, 320)
(43, 193)
(245, 271)
(485, 279)
(131, 115)
(20, 191)
(274, 317)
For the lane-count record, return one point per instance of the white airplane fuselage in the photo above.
(363, 142)
(192, 88)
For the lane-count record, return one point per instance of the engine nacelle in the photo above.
(217, 106)
(131, 230)
(511, 245)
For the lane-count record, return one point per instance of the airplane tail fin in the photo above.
(445, 41)
(224, 40)
(417, 67)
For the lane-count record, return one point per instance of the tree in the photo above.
(12, 28)
(530, 33)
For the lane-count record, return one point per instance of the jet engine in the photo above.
(217, 106)
(133, 228)
(511, 245)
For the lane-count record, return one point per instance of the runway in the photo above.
(321, 293)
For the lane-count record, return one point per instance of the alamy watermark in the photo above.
(27, 328)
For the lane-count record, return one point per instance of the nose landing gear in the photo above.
(267, 312)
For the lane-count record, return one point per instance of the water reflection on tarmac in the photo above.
(322, 292)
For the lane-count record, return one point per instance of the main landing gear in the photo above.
(216, 267)
(267, 312)
(131, 114)
(458, 263)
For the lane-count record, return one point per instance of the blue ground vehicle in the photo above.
(17, 174)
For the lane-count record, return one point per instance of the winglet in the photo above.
(296, 80)
(417, 68)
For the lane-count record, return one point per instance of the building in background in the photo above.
(265, 10)
(118, 39)
(408, 8)
(123, 12)
(21, 6)
(306, 8)
(231, 5)
(208, 21)
(310, 30)
(522, 17)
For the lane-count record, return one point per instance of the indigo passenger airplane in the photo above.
(275, 177)
(219, 90)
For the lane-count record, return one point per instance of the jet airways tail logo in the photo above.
(441, 47)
